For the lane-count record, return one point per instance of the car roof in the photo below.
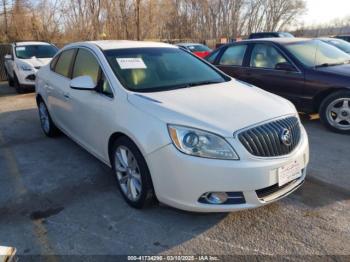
(327, 38)
(281, 40)
(122, 44)
(24, 43)
(262, 33)
(188, 44)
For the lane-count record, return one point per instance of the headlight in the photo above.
(200, 143)
(26, 67)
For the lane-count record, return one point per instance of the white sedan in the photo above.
(173, 127)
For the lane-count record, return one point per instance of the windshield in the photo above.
(315, 53)
(198, 48)
(39, 51)
(160, 69)
(341, 44)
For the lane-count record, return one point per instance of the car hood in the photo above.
(36, 62)
(338, 69)
(221, 108)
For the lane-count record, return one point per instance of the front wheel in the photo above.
(133, 177)
(9, 79)
(335, 112)
(48, 127)
(17, 85)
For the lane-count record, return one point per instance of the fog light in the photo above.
(216, 197)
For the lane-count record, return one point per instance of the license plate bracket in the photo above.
(289, 172)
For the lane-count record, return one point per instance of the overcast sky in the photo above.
(322, 11)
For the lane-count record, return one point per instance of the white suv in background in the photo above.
(25, 59)
(173, 126)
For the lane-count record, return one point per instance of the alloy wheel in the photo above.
(338, 113)
(128, 173)
(44, 118)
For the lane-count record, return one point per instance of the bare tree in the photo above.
(197, 20)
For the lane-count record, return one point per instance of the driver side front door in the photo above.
(265, 71)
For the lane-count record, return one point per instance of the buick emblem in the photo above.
(286, 137)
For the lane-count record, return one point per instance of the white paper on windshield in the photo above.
(21, 48)
(131, 63)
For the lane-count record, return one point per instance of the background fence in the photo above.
(4, 49)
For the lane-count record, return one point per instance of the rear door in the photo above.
(270, 69)
(57, 85)
(231, 60)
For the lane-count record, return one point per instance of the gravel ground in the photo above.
(56, 198)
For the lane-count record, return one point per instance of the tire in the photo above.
(17, 85)
(132, 174)
(335, 112)
(46, 123)
(9, 79)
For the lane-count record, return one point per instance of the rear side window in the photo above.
(212, 57)
(64, 62)
(53, 62)
(86, 65)
(233, 55)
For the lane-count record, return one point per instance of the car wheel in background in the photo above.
(48, 127)
(133, 177)
(17, 85)
(335, 112)
(9, 79)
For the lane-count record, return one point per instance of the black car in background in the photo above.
(269, 34)
(344, 37)
(312, 74)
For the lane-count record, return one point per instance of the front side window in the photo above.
(266, 56)
(64, 62)
(160, 69)
(38, 51)
(86, 65)
(315, 53)
(233, 55)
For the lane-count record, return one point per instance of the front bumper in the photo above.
(179, 180)
(27, 78)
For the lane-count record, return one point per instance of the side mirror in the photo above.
(8, 57)
(285, 66)
(82, 83)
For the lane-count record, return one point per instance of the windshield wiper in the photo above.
(174, 87)
(203, 83)
(332, 64)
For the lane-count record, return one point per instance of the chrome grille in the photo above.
(266, 140)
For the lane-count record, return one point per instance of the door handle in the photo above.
(66, 95)
(48, 87)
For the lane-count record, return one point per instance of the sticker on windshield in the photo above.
(131, 63)
(21, 48)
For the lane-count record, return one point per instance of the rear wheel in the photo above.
(133, 177)
(48, 127)
(335, 112)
